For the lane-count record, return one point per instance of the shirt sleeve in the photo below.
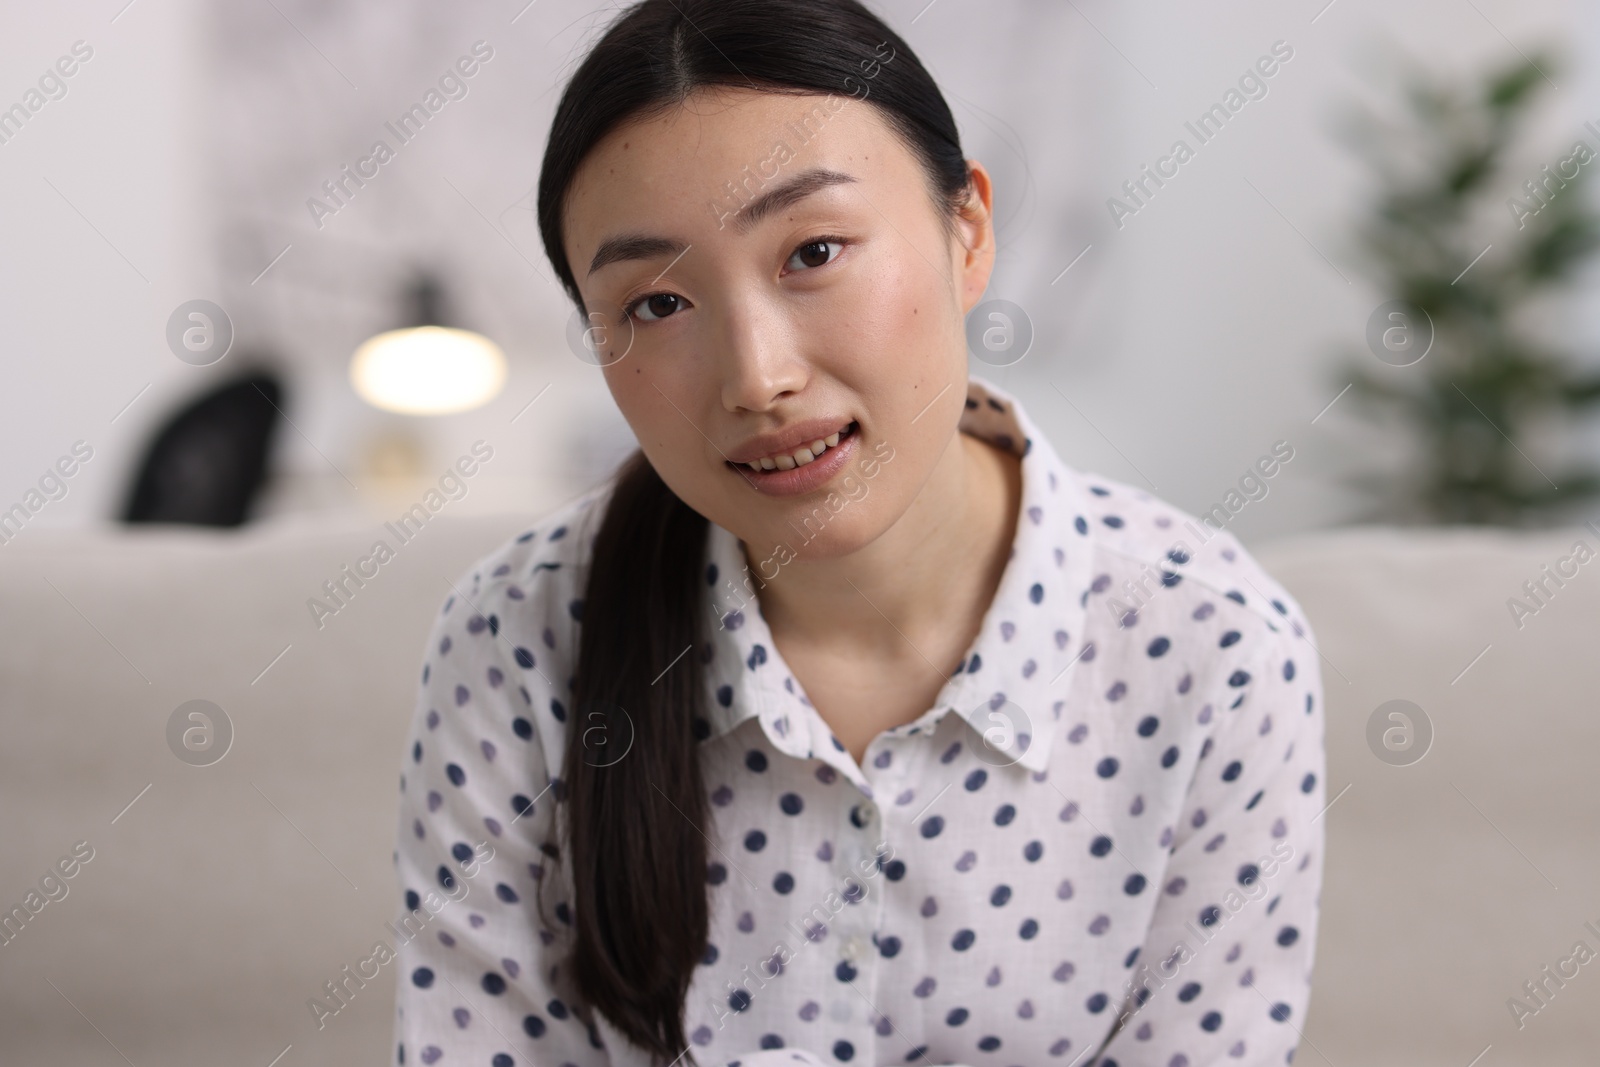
(1224, 974)
(480, 979)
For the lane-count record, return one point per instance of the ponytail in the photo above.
(634, 823)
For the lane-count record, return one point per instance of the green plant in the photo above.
(1489, 382)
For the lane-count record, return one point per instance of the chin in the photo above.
(807, 537)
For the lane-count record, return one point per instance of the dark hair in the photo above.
(636, 830)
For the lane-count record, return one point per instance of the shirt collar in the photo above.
(1031, 633)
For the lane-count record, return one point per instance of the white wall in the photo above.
(1204, 328)
(100, 238)
(1187, 341)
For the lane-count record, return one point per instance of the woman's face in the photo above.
(729, 326)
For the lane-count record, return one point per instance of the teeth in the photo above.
(799, 457)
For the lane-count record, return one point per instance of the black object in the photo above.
(425, 302)
(208, 464)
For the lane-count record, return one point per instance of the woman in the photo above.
(846, 723)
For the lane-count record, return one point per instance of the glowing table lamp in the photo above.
(427, 367)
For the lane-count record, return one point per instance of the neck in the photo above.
(937, 566)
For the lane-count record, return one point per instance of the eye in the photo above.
(818, 252)
(815, 253)
(659, 306)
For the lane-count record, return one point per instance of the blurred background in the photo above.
(241, 344)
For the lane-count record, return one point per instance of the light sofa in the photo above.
(219, 898)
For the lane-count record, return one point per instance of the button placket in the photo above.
(859, 921)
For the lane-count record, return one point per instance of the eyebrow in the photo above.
(646, 246)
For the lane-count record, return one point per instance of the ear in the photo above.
(975, 224)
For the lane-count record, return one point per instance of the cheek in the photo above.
(638, 394)
(927, 306)
(901, 314)
(654, 418)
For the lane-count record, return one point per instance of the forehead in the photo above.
(670, 168)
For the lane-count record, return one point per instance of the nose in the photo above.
(760, 357)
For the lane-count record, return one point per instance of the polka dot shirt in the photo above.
(1101, 845)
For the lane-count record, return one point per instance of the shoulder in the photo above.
(522, 601)
(1146, 548)
(535, 568)
(503, 646)
(558, 543)
(1166, 588)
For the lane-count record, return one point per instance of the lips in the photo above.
(808, 478)
(796, 447)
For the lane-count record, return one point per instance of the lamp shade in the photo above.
(427, 368)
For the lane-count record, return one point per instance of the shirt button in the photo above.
(852, 949)
(862, 814)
